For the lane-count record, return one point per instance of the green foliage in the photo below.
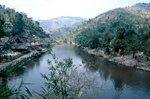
(18, 24)
(132, 41)
(100, 32)
(88, 39)
(15, 93)
(119, 40)
(64, 81)
(145, 44)
(1, 26)
(105, 40)
(15, 23)
(57, 80)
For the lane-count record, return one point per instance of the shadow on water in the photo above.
(121, 76)
(120, 82)
(27, 66)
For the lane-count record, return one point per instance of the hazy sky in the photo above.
(46, 9)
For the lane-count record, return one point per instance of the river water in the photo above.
(112, 81)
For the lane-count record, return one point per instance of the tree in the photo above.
(64, 81)
(119, 43)
(94, 42)
(132, 41)
(18, 24)
(1, 27)
(105, 40)
(145, 44)
(88, 38)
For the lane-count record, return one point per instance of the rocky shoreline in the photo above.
(141, 61)
(129, 61)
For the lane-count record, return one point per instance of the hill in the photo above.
(17, 31)
(59, 22)
(123, 29)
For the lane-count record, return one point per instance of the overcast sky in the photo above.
(47, 9)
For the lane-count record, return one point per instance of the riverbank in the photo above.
(140, 61)
(10, 66)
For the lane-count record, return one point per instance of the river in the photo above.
(115, 81)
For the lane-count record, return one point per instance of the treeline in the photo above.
(14, 23)
(120, 32)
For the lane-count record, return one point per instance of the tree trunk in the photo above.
(133, 54)
(62, 95)
(147, 58)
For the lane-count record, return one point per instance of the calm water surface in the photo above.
(115, 81)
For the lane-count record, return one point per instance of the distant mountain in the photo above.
(60, 22)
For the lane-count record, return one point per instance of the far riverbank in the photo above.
(141, 61)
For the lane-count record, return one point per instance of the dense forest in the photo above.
(15, 23)
(18, 32)
(124, 30)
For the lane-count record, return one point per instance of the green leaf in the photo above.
(22, 97)
(40, 95)
(44, 76)
(21, 84)
(44, 89)
(28, 91)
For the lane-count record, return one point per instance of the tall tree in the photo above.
(18, 23)
(119, 43)
(1, 27)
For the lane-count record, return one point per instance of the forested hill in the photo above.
(14, 23)
(126, 29)
(18, 32)
(60, 22)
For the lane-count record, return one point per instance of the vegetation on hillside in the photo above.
(118, 30)
(14, 23)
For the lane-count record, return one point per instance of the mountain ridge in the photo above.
(60, 22)
(102, 31)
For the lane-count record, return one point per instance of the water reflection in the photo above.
(119, 82)
(26, 67)
(120, 76)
